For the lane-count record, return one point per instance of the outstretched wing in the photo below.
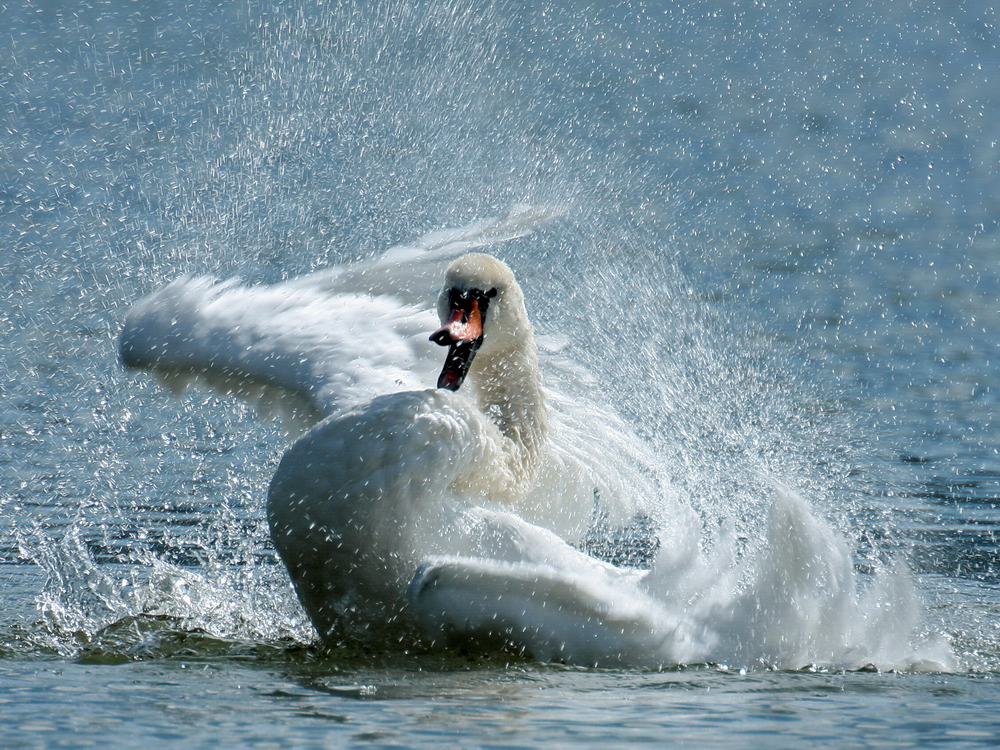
(413, 273)
(304, 349)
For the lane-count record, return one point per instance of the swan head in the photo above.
(481, 308)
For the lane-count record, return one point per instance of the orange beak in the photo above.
(461, 326)
(463, 335)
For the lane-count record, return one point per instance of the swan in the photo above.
(429, 498)
(393, 484)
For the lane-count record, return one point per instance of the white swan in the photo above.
(390, 474)
(435, 510)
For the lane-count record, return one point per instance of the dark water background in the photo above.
(808, 191)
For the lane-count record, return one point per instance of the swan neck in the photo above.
(509, 391)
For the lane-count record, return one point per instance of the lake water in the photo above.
(794, 204)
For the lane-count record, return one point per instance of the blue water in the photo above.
(799, 200)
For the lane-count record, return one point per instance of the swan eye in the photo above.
(492, 292)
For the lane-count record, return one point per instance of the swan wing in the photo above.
(294, 352)
(580, 615)
(521, 584)
(304, 349)
(413, 272)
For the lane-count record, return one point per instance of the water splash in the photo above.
(230, 587)
(799, 601)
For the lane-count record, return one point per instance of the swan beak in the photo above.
(463, 335)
